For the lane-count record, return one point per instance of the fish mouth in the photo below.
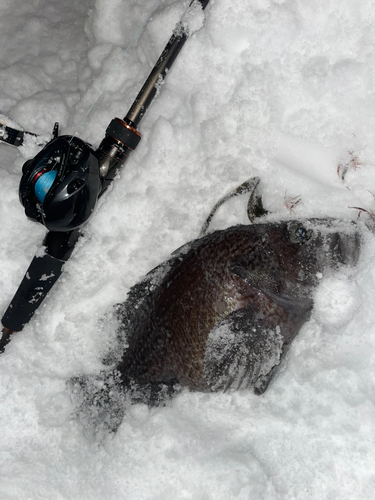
(346, 248)
(339, 240)
(342, 246)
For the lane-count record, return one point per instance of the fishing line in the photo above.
(115, 68)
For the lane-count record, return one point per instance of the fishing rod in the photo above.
(61, 185)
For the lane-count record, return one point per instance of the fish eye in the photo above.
(298, 233)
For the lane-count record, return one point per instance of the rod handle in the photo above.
(40, 277)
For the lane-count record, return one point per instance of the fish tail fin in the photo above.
(99, 403)
(101, 400)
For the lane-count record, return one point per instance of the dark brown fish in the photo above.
(220, 314)
(224, 310)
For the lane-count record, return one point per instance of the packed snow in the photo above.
(281, 89)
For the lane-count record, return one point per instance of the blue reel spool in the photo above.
(43, 184)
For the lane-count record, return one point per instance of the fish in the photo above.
(220, 314)
(223, 311)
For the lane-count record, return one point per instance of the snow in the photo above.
(282, 89)
(193, 18)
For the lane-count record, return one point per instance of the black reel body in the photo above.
(60, 186)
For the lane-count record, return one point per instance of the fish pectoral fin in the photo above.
(269, 283)
(300, 306)
(245, 350)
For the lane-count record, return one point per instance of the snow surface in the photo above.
(283, 89)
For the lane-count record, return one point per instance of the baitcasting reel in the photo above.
(60, 186)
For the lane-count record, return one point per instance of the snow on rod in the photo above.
(61, 185)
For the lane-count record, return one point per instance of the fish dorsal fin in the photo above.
(254, 207)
